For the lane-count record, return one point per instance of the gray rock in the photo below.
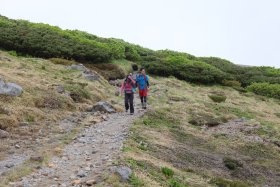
(103, 107)
(81, 174)
(3, 134)
(91, 182)
(124, 172)
(3, 58)
(9, 165)
(91, 77)
(79, 67)
(10, 89)
(17, 146)
(60, 89)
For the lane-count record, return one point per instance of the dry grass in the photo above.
(40, 101)
(191, 151)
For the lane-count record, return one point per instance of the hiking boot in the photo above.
(142, 105)
(131, 113)
(145, 106)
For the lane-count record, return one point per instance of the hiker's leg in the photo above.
(131, 103)
(145, 93)
(126, 101)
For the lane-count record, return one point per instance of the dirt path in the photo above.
(88, 156)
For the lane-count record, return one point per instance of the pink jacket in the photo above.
(127, 86)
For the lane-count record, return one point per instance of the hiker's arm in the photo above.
(122, 88)
(148, 84)
(131, 79)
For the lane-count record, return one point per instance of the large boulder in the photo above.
(10, 89)
(103, 106)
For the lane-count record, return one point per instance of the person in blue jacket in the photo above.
(142, 81)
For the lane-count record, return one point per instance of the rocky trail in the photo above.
(83, 161)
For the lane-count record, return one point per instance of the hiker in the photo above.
(135, 71)
(142, 81)
(127, 87)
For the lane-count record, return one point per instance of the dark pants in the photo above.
(128, 102)
(143, 99)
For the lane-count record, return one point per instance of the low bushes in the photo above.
(184, 69)
(217, 97)
(265, 89)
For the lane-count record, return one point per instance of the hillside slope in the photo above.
(187, 139)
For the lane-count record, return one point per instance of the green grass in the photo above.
(135, 181)
(220, 182)
(167, 172)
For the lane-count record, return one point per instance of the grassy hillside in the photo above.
(42, 40)
(40, 100)
(187, 139)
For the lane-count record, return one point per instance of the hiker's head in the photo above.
(142, 70)
(134, 67)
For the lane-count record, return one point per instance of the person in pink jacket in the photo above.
(127, 87)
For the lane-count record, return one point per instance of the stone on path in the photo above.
(103, 106)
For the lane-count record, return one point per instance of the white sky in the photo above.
(243, 31)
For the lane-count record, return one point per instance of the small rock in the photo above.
(87, 169)
(37, 158)
(91, 76)
(17, 146)
(60, 89)
(51, 165)
(9, 165)
(90, 182)
(81, 174)
(76, 182)
(124, 172)
(3, 58)
(79, 67)
(103, 106)
(22, 124)
(3, 134)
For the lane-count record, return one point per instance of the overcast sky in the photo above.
(243, 31)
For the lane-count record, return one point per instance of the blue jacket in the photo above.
(142, 81)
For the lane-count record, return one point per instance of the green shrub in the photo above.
(109, 71)
(217, 97)
(185, 69)
(13, 53)
(231, 83)
(265, 89)
(78, 92)
(231, 164)
(167, 172)
(175, 183)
